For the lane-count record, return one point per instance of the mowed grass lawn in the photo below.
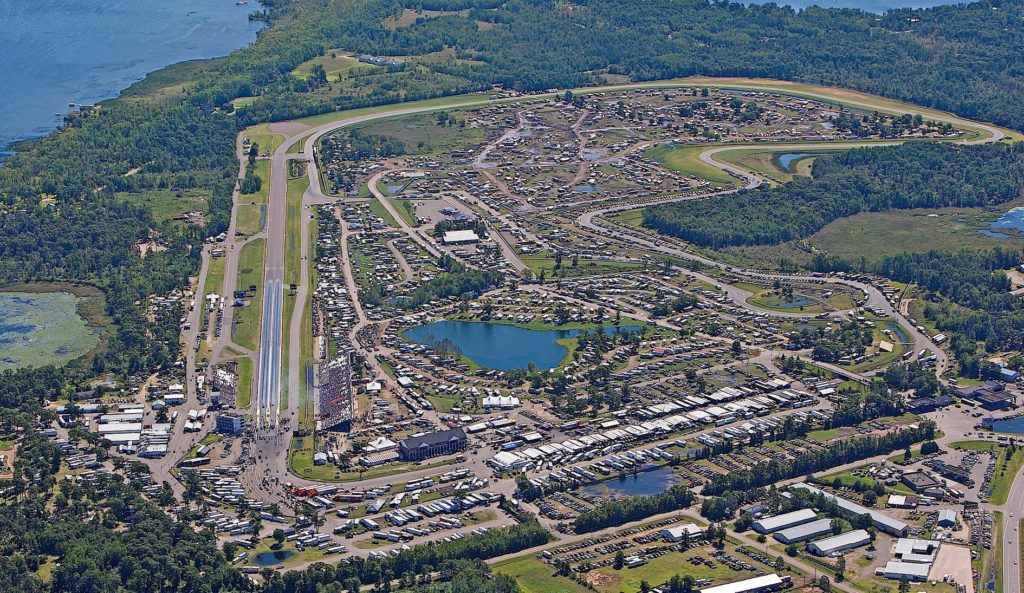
(252, 207)
(534, 576)
(660, 570)
(755, 160)
(333, 66)
(266, 142)
(293, 229)
(379, 210)
(246, 330)
(686, 159)
(244, 392)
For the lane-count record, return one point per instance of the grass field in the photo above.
(765, 298)
(252, 207)
(333, 65)
(660, 570)
(882, 359)
(165, 204)
(630, 218)
(686, 159)
(584, 267)
(244, 393)
(848, 480)
(877, 234)
(406, 210)
(422, 135)
(379, 210)
(755, 160)
(246, 332)
(267, 143)
(214, 285)
(293, 229)
(534, 576)
(309, 554)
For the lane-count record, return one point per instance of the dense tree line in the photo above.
(618, 512)
(835, 454)
(456, 281)
(913, 175)
(968, 296)
(912, 377)
(846, 339)
(958, 58)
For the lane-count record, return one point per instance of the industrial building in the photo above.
(229, 424)
(840, 543)
(881, 521)
(919, 481)
(947, 518)
(682, 533)
(762, 584)
(804, 532)
(786, 520)
(460, 237)
(445, 442)
(919, 551)
(901, 501)
(894, 569)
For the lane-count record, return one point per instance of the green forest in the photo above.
(914, 175)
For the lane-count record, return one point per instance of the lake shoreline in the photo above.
(106, 48)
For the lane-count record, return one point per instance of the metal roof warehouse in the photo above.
(771, 524)
(803, 532)
(768, 582)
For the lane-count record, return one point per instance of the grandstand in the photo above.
(334, 407)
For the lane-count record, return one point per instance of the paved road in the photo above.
(1011, 536)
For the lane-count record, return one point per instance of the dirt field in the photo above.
(956, 562)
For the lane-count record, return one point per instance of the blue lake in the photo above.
(875, 6)
(786, 160)
(272, 558)
(643, 484)
(1012, 426)
(499, 346)
(82, 51)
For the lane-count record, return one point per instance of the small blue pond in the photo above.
(643, 484)
(796, 301)
(272, 558)
(786, 160)
(1014, 219)
(499, 346)
(1012, 426)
